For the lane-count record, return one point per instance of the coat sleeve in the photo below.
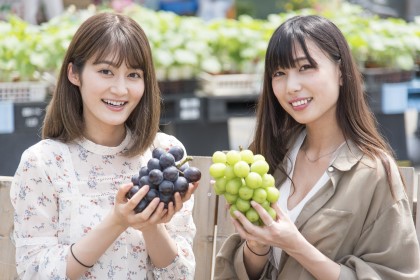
(230, 261)
(388, 248)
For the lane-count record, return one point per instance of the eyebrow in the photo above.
(113, 64)
(106, 62)
(300, 58)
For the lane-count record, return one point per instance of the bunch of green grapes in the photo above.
(241, 176)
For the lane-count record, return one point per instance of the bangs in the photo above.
(282, 48)
(119, 48)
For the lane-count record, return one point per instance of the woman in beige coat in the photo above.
(343, 212)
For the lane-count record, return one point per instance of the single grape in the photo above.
(220, 185)
(151, 194)
(141, 206)
(144, 181)
(259, 157)
(245, 192)
(143, 171)
(272, 194)
(253, 180)
(177, 152)
(166, 160)
(230, 198)
(157, 152)
(247, 156)
(166, 187)
(155, 176)
(260, 166)
(233, 157)
(135, 179)
(260, 195)
(165, 199)
(153, 163)
(217, 170)
(267, 181)
(242, 204)
(181, 185)
(171, 173)
(252, 215)
(192, 174)
(184, 167)
(134, 189)
(229, 173)
(233, 185)
(241, 169)
(219, 157)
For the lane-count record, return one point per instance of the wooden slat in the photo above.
(417, 205)
(204, 217)
(7, 248)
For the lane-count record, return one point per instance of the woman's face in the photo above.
(309, 94)
(109, 93)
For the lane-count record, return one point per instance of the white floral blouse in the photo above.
(61, 191)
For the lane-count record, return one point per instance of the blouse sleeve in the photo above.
(181, 228)
(38, 254)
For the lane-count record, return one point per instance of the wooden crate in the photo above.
(7, 248)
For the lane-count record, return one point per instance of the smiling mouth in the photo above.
(114, 103)
(301, 102)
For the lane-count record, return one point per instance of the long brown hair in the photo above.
(275, 127)
(99, 36)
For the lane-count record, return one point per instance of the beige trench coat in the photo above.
(353, 219)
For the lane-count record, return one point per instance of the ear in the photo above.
(72, 76)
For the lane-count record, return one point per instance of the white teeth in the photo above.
(301, 102)
(114, 103)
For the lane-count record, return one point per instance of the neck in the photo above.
(106, 137)
(322, 144)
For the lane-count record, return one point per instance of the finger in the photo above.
(240, 229)
(191, 189)
(245, 223)
(280, 213)
(264, 216)
(171, 210)
(159, 213)
(132, 203)
(177, 201)
(122, 191)
(148, 211)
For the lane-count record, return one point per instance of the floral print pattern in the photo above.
(61, 191)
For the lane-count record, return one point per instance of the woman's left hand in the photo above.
(280, 232)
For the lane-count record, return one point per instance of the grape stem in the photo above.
(185, 160)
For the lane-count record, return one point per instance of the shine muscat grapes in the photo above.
(241, 176)
(165, 174)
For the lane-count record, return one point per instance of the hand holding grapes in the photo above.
(281, 232)
(169, 179)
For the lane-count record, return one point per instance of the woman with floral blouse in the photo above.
(72, 219)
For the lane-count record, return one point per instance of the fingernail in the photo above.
(236, 213)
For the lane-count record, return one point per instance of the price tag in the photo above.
(189, 108)
(7, 120)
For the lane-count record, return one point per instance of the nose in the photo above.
(119, 86)
(293, 83)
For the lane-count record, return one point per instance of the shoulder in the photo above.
(377, 175)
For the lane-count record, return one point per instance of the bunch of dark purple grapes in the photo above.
(165, 174)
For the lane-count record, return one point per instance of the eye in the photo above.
(305, 67)
(105, 72)
(278, 74)
(135, 75)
